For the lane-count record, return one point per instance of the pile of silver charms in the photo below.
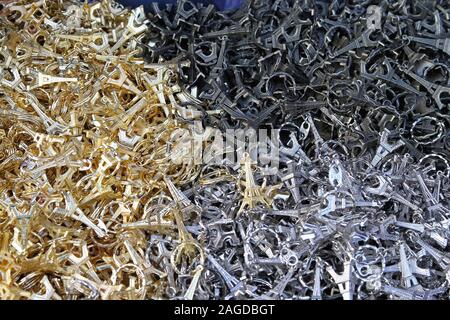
(361, 207)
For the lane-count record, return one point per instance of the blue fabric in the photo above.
(220, 4)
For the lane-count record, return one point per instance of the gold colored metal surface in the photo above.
(83, 130)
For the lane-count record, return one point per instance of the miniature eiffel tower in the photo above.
(292, 179)
(253, 194)
(185, 205)
(23, 219)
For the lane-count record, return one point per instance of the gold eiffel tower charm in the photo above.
(23, 221)
(180, 199)
(253, 194)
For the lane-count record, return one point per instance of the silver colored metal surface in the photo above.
(359, 208)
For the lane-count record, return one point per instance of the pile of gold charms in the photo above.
(84, 174)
